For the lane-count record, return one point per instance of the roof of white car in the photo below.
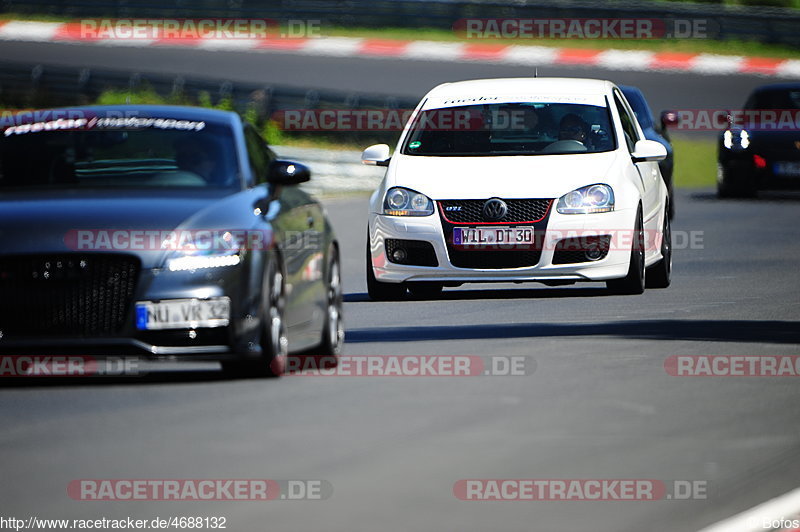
(519, 85)
(511, 89)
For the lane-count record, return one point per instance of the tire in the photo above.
(634, 282)
(274, 342)
(727, 187)
(377, 290)
(671, 204)
(333, 331)
(660, 275)
(425, 290)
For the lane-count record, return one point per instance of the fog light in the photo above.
(594, 253)
(399, 255)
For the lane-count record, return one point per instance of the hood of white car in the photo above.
(531, 176)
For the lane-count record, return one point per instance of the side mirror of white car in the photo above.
(648, 151)
(376, 155)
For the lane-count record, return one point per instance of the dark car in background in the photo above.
(760, 148)
(653, 131)
(161, 231)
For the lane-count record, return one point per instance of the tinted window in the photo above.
(784, 98)
(141, 157)
(524, 128)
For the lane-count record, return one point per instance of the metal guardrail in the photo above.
(763, 24)
(42, 86)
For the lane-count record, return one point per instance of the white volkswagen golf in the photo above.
(523, 179)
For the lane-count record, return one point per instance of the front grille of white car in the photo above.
(469, 213)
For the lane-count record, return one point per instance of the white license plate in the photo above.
(788, 168)
(500, 236)
(183, 313)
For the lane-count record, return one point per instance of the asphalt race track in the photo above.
(599, 403)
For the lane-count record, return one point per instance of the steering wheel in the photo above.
(569, 145)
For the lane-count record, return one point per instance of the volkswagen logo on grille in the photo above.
(495, 209)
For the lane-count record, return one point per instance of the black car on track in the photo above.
(161, 231)
(760, 148)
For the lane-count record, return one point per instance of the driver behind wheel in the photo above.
(573, 127)
(203, 157)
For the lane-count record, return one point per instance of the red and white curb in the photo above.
(781, 511)
(520, 55)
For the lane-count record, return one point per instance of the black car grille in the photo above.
(471, 211)
(417, 252)
(66, 295)
(521, 212)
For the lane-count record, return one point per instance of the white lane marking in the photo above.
(529, 55)
(227, 44)
(434, 51)
(789, 69)
(717, 64)
(136, 43)
(783, 507)
(625, 59)
(336, 46)
(29, 31)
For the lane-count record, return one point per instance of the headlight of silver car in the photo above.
(205, 261)
(587, 200)
(205, 252)
(404, 202)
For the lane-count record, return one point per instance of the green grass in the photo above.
(695, 162)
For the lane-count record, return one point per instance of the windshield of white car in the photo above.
(511, 129)
(119, 157)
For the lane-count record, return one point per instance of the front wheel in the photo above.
(273, 338)
(333, 331)
(660, 275)
(634, 282)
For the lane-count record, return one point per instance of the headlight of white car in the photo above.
(404, 202)
(587, 200)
